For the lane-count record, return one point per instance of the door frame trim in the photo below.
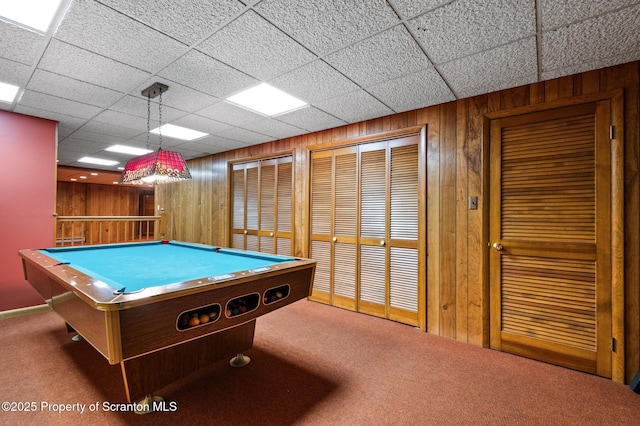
(616, 97)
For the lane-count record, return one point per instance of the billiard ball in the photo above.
(184, 320)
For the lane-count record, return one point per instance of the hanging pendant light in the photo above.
(159, 166)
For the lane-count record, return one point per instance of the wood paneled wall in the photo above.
(82, 199)
(457, 284)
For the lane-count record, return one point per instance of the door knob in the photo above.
(497, 246)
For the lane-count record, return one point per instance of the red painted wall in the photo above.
(27, 200)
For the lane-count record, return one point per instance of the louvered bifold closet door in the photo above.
(344, 231)
(252, 206)
(550, 229)
(267, 215)
(403, 230)
(284, 209)
(373, 229)
(365, 210)
(262, 200)
(321, 215)
(238, 205)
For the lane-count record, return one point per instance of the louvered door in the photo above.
(403, 232)
(345, 227)
(262, 205)
(365, 212)
(334, 225)
(283, 208)
(321, 247)
(551, 236)
(373, 229)
(266, 233)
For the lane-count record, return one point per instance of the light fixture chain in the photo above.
(148, 120)
(160, 118)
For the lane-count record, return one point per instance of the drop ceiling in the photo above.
(350, 60)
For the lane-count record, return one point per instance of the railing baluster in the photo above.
(140, 229)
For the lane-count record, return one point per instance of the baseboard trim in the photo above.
(29, 310)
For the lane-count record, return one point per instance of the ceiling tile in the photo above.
(376, 59)
(468, 26)
(59, 105)
(212, 145)
(125, 120)
(65, 59)
(133, 105)
(311, 119)
(274, 128)
(323, 26)
(255, 47)
(66, 129)
(243, 135)
(314, 82)
(69, 120)
(189, 154)
(500, 68)
(203, 73)
(100, 29)
(599, 39)
(410, 8)
(413, 91)
(228, 113)
(14, 72)
(83, 147)
(178, 96)
(199, 148)
(354, 106)
(587, 66)
(86, 135)
(154, 141)
(201, 124)
(554, 13)
(20, 45)
(109, 130)
(69, 88)
(186, 21)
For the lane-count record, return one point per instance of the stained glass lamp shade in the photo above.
(158, 166)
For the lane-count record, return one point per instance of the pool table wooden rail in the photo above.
(102, 295)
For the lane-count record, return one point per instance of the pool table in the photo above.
(164, 309)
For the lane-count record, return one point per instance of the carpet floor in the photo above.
(311, 364)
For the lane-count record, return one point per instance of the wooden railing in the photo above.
(81, 230)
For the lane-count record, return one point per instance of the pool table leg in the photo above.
(144, 374)
(239, 360)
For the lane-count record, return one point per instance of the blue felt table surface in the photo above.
(141, 265)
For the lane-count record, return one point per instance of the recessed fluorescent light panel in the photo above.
(8, 92)
(100, 161)
(33, 14)
(178, 132)
(123, 149)
(266, 100)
